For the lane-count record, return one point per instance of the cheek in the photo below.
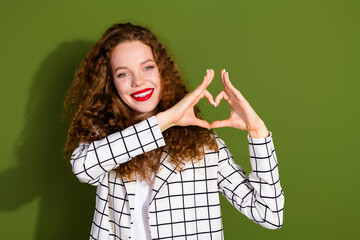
(154, 76)
(160, 84)
(121, 89)
(158, 81)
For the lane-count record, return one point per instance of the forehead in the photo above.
(131, 52)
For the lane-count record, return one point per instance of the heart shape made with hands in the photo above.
(242, 115)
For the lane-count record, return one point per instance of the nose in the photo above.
(138, 80)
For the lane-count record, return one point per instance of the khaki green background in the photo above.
(296, 62)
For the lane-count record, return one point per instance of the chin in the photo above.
(146, 114)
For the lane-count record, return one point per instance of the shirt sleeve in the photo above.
(258, 196)
(91, 161)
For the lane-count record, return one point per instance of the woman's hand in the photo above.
(242, 115)
(182, 113)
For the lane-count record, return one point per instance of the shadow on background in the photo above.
(66, 205)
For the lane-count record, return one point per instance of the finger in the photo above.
(226, 83)
(220, 124)
(205, 83)
(209, 97)
(222, 75)
(209, 77)
(221, 95)
(212, 74)
(201, 123)
(230, 89)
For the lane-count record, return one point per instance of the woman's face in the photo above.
(136, 77)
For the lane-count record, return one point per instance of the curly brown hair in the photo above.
(97, 110)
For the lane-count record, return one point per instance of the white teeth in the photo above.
(142, 94)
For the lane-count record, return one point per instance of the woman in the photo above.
(136, 135)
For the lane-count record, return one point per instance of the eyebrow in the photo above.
(143, 62)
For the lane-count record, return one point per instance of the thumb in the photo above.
(201, 123)
(220, 124)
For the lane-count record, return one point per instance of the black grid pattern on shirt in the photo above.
(187, 205)
(92, 161)
(258, 196)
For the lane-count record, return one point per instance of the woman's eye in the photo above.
(149, 67)
(122, 75)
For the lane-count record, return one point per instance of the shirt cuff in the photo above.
(260, 140)
(261, 150)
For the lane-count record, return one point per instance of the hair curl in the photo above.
(98, 111)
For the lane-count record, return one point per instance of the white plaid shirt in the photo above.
(183, 205)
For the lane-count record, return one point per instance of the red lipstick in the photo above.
(142, 95)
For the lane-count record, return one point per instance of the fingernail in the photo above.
(214, 103)
(207, 70)
(224, 70)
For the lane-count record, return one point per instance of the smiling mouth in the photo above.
(142, 95)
